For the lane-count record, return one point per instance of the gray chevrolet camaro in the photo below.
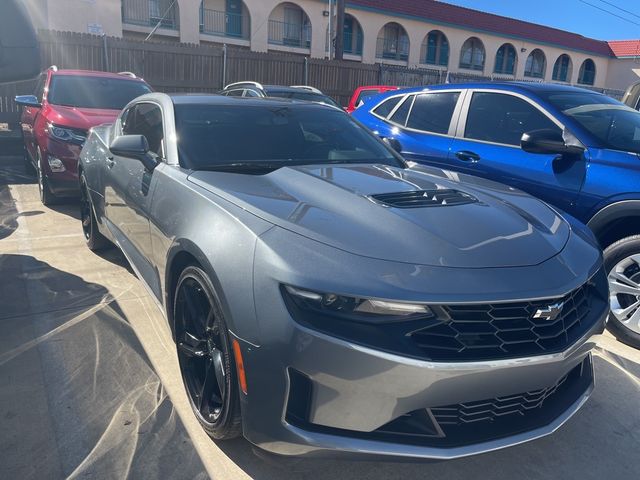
(325, 296)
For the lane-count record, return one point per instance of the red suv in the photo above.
(363, 93)
(56, 119)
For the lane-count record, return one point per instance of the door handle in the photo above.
(467, 156)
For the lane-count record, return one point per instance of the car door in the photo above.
(487, 144)
(29, 117)
(129, 189)
(423, 125)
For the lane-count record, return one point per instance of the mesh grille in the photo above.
(424, 198)
(495, 331)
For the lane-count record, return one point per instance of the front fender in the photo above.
(612, 211)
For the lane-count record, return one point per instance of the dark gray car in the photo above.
(326, 296)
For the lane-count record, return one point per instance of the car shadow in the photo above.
(78, 395)
(12, 173)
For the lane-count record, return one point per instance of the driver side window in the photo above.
(145, 119)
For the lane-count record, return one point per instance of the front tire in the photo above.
(205, 355)
(622, 261)
(46, 196)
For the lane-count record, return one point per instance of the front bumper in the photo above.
(62, 183)
(356, 391)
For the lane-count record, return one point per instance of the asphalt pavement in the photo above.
(90, 386)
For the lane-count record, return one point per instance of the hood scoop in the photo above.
(424, 198)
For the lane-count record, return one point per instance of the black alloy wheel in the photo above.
(205, 356)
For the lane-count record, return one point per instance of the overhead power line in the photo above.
(620, 8)
(610, 12)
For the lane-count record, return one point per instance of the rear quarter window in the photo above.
(384, 109)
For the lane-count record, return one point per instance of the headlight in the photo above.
(355, 309)
(65, 134)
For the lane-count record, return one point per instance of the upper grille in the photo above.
(507, 330)
(424, 198)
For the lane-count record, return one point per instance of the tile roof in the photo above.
(440, 12)
(625, 48)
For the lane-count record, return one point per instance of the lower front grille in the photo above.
(461, 424)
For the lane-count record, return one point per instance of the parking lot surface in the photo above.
(90, 386)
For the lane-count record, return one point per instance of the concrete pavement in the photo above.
(90, 387)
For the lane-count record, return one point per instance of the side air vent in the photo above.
(424, 198)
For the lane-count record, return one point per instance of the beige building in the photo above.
(425, 33)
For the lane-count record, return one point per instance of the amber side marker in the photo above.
(237, 353)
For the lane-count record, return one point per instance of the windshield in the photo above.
(305, 95)
(211, 136)
(614, 124)
(94, 92)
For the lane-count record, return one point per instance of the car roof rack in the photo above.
(128, 74)
(307, 87)
(238, 84)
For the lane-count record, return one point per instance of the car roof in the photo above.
(532, 87)
(95, 73)
(280, 88)
(213, 99)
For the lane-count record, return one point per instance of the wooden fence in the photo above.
(177, 67)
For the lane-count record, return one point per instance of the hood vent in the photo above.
(424, 198)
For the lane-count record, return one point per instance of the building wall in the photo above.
(610, 73)
(86, 16)
(623, 72)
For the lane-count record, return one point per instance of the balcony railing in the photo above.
(393, 48)
(289, 34)
(353, 43)
(214, 22)
(147, 13)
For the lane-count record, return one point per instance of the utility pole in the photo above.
(331, 29)
(340, 30)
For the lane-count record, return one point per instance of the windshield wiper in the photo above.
(245, 167)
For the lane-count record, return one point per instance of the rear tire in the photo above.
(205, 355)
(622, 263)
(95, 240)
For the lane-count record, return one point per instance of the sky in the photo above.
(571, 15)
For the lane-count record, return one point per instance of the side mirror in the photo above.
(28, 101)
(550, 142)
(393, 143)
(136, 147)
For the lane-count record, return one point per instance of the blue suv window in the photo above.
(385, 108)
(401, 114)
(501, 118)
(432, 112)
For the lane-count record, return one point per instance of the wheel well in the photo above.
(619, 229)
(180, 261)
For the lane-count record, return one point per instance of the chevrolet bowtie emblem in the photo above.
(551, 312)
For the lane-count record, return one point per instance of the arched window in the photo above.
(562, 69)
(472, 54)
(435, 49)
(289, 25)
(505, 60)
(587, 74)
(536, 64)
(353, 36)
(393, 42)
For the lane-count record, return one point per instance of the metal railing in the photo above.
(214, 22)
(393, 48)
(147, 13)
(289, 34)
(353, 42)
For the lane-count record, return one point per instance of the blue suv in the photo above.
(574, 148)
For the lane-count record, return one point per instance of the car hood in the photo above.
(82, 118)
(333, 205)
